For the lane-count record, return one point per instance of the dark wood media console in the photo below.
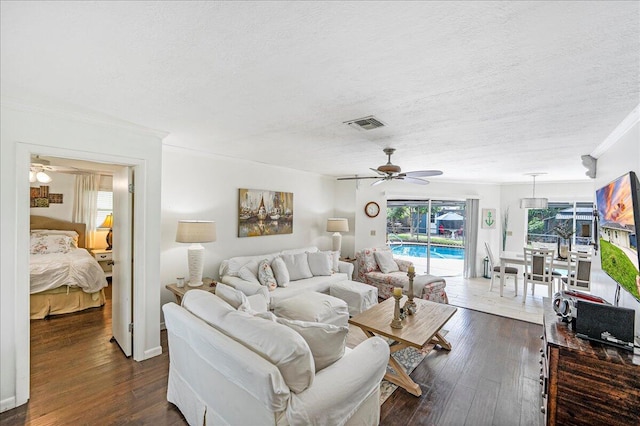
(586, 382)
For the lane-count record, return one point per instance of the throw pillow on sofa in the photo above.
(249, 272)
(297, 265)
(265, 275)
(335, 260)
(275, 342)
(385, 261)
(320, 263)
(280, 271)
(233, 297)
(326, 341)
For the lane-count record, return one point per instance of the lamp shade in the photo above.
(196, 231)
(534, 203)
(337, 224)
(108, 221)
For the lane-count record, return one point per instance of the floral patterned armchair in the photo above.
(368, 272)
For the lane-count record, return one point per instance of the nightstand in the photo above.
(105, 259)
(179, 292)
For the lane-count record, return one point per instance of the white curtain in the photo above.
(85, 204)
(471, 238)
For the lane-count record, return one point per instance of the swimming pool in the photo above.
(420, 250)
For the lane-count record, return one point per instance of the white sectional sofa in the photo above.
(240, 368)
(230, 274)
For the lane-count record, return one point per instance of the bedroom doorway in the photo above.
(120, 289)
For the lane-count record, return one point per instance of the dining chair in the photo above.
(509, 271)
(538, 268)
(579, 273)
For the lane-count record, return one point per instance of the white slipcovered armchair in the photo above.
(232, 367)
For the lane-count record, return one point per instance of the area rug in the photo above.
(409, 358)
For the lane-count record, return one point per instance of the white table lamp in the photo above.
(196, 232)
(337, 225)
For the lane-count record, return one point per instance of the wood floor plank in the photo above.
(79, 377)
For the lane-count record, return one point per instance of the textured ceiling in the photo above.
(484, 91)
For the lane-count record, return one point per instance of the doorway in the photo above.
(93, 191)
(142, 349)
(430, 233)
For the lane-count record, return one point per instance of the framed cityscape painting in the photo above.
(262, 212)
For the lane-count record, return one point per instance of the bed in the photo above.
(64, 276)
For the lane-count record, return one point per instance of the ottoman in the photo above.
(313, 306)
(359, 296)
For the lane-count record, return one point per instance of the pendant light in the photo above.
(533, 202)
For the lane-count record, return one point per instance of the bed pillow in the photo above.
(265, 275)
(72, 234)
(326, 341)
(297, 265)
(280, 272)
(384, 259)
(320, 263)
(45, 244)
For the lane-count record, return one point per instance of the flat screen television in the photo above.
(618, 205)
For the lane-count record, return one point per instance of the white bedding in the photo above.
(76, 268)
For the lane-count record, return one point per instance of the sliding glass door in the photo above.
(430, 233)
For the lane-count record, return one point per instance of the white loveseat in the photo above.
(233, 367)
(230, 269)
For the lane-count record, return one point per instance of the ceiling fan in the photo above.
(390, 171)
(39, 167)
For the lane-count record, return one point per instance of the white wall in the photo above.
(61, 183)
(71, 134)
(622, 157)
(203, 186)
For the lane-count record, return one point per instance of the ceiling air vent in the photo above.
(365, 123)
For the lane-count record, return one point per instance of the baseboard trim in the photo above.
(150, 353)
(7, 404)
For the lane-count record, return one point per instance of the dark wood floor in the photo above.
(79, 377)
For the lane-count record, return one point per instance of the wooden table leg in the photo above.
(438, 339)
(401, 378)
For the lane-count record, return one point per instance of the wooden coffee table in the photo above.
(418, 330)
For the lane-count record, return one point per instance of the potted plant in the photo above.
(564, 233)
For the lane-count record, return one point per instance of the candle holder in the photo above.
(410, 306)
(396, 322)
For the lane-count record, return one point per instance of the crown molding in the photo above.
(630, 120)
(80, 116)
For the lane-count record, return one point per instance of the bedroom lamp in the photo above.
(196, 232)
(108, 223)
(337, 225)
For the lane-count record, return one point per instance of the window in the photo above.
(105, 206)
(105, 199)
(546, 226)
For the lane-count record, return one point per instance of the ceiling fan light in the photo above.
(32, 176)
(42, 177)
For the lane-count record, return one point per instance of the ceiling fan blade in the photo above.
(378, 182)
(378, 171)
(423, 173)
(414, 180)
(358, 177)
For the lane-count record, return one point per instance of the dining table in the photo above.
(517, 258)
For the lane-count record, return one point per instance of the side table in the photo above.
(179, 292)
(105, 259)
